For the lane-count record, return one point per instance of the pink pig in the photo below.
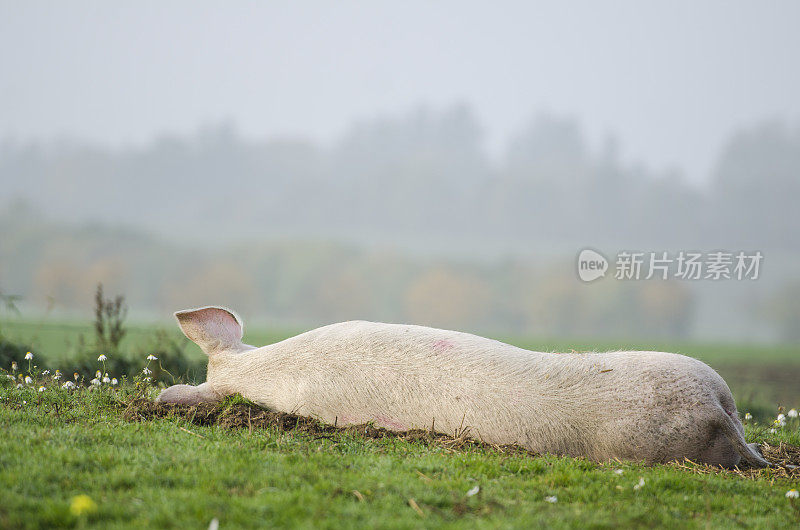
(645, 406)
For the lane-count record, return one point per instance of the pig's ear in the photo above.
(214, 329)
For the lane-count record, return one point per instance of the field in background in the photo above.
(761, 377)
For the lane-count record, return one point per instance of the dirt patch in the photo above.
(248, 416)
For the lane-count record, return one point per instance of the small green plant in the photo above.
(109, 321)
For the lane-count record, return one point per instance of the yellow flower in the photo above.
(82, 505)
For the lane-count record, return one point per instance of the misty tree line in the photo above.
(256, 208)
(56, 267)
(426, 176)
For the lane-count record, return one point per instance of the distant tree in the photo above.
(755, 187)
(784, 311)
(447, 298)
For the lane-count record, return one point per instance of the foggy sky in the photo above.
(672, 80)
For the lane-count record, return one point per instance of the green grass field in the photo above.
(169, 472)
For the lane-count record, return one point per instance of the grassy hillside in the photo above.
(170, 472)
(81, 459)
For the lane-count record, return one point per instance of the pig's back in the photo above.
(397, 376)
(376, 342)
(404, 377)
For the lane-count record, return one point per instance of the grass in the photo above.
(169, 472)
(175, 471)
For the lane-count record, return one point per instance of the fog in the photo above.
(440, 163)
(673, 79)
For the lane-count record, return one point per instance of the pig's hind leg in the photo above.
(188, 394)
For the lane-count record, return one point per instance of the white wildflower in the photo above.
(57, 375)
(41, 389)
(29, 356)
(780, 421)
(792, 413)
(772, 431)
(28, 380)
(748, 416)
(792, 494)
(68, 384)
(98, 374)
(102, 357)
(10, 376)
(551, 499)
(473, 491)
(147, 371)
(640, 484)
(95, 381)
(13, 366)
(618, 471)
(152, 357)
(106, 379)
(114, 381)
(19, 385)
(46, 372)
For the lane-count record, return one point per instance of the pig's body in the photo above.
(647, 406)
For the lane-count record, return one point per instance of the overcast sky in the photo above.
(670, 79)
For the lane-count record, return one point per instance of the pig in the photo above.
(645, 406)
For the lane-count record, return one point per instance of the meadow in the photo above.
(103, 457)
